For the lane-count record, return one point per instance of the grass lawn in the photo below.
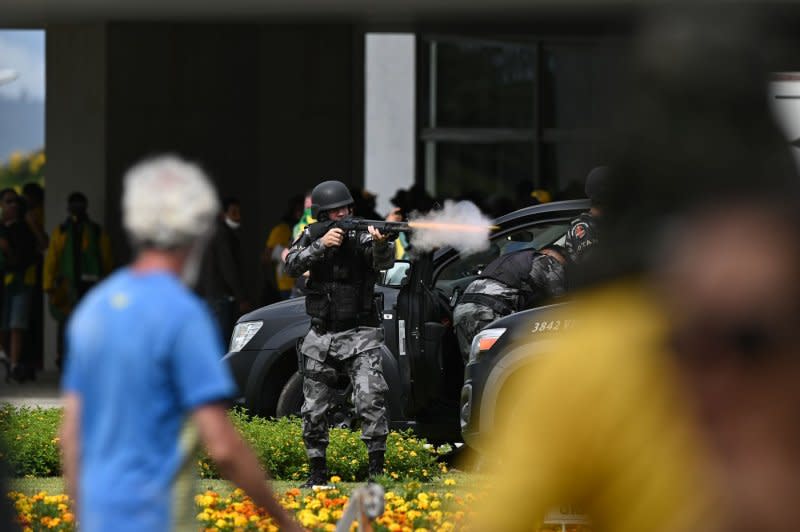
(465, 483)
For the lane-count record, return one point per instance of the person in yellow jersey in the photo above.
(279, 240)
(306, 219)
(79, 256)
(602, 421)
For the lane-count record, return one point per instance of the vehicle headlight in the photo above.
(484, 341)
(243, 333)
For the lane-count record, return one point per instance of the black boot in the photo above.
(318, 475)
(375, 464)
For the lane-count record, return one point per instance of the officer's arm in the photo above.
(380, 252)
(303, 253)
(69, 433)
(547, 275)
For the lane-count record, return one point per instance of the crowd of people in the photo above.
(64, 265)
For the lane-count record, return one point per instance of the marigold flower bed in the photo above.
(316, 510)
(409, 508)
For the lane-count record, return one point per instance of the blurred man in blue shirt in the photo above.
(144, 384)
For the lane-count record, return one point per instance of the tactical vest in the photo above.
(514, 271)
(341, 288)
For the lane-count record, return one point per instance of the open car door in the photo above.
(422, 331)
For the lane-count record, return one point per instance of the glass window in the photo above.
(394, 276)
(482, 85)
(498, 119)
(483, 171)
(579, 85)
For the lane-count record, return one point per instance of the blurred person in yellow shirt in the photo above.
(598, 425)
(278, 240)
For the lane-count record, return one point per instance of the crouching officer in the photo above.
(510, 283)
(345, 336)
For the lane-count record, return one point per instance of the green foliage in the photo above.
(29, 437)
(279, 445)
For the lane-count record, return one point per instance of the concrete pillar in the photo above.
(75, 132)
(390, 111)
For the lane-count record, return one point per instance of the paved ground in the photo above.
(41, 392)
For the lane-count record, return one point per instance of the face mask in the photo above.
(230, 223)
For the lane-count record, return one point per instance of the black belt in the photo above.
(326, 326)
(495, 303)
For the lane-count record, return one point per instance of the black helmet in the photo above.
(596, 185)
(329, 195)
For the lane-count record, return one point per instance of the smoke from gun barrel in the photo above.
(458, 224)
(445, 226)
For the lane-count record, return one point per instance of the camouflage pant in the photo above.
(369, 389)
(468, 320)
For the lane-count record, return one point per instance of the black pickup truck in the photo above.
(429, 390)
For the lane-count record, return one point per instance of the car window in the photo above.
(394, 275)
(461, 271)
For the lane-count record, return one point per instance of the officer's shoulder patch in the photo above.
(580, 229)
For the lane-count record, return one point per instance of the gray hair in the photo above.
(168, 203)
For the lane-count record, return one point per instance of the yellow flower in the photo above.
(449, 482)
(307, 518)
(335, 479)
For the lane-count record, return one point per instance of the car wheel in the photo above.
(291, 398)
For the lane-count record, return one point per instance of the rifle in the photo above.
(350, 225)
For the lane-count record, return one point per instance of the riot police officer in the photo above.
(584, 231)
(510, 283)
(345, 336)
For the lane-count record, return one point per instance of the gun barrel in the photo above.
(383, 226)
